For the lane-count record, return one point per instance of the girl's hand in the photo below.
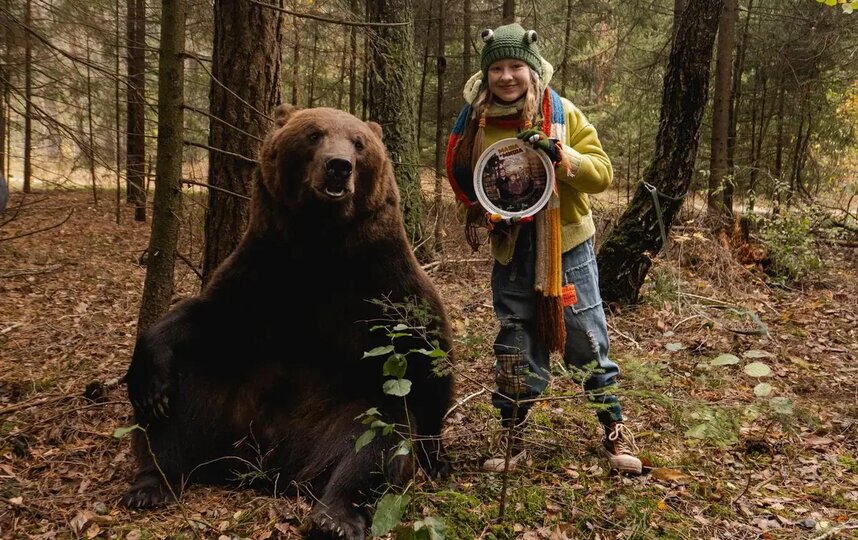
(540, 141)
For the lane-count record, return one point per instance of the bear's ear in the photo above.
(283, 112)
(376, 129)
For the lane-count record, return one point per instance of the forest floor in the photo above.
(732, 452)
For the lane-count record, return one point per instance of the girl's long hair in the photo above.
(470, 147)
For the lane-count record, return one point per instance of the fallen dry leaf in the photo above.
(670, 475)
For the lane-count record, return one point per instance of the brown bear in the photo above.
(263, 375)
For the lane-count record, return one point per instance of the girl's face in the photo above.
(509, 79)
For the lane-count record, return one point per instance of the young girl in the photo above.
(545, 283)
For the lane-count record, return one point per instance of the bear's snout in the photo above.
(337, 169)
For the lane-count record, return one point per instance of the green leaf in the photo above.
(725, 360)
(757, 354)
(758, 369)
(123, 431)
(379, 351)
(400, 327)
(830, 2)
(697, 432)
(781, 405)
(673, 347)
(429, 528)
(397, 387)
(365, 438)
(379, 424)
(762, 389)
(388, 513)
(395, 366)
(402, 449)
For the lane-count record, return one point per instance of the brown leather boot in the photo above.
(620, 449)
(512, 442)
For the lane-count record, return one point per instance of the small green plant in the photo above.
(790, 247)
(408, 322)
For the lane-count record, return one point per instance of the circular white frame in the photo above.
(484, 199)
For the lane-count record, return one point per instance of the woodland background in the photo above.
(128, 134)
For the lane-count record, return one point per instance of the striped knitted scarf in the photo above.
(548, 281)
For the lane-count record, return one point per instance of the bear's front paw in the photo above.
(148, 388)
(330, 523)
(148, 491)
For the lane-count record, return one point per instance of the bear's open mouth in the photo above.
(333, 192)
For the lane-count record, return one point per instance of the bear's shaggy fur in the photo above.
(263, 374)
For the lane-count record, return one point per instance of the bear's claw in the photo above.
(326, 524)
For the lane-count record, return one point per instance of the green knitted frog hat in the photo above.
(510, 41)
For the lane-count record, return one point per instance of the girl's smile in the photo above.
(509, 79)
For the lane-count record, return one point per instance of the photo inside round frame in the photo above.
(512, 179)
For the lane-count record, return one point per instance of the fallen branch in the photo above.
(324, 19)
(458, 261)
(39, 230)
(33, 271)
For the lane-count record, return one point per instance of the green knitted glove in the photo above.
(540, 140)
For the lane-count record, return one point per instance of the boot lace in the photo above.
(623, 440)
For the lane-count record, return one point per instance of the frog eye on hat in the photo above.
(531, 36)
(487, 35)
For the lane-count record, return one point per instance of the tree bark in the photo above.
(424, 72)
(158, 287)
(118, 133)
(567, 46)
(135, 153)
(89, 123)
(314, 53)
(245, 89)
(28, 96)
(440, 131)
(391, 98)
(625, 258)
(735, 106)
(508, 15)
(678, 6)
(353, 62)
(779, 150)
(721, 113)
(5, 83)
(466, 41)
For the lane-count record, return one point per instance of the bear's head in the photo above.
(325, 163)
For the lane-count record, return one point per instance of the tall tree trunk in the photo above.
(625, 258)
(246, 66)
(89, 122)
(391, 98)
(135, 153)
(117, 132)
(353, 62)
(424, 72)
(678, 6)
(343, 70)
(779, 150)
(296, 61)
(567, 46)
(166, 208)
(5, 83)
(466, 41)
(314, 53)
(508, 12)
(440, 146)
(735, 106)
(28, 96)
(721, 112)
